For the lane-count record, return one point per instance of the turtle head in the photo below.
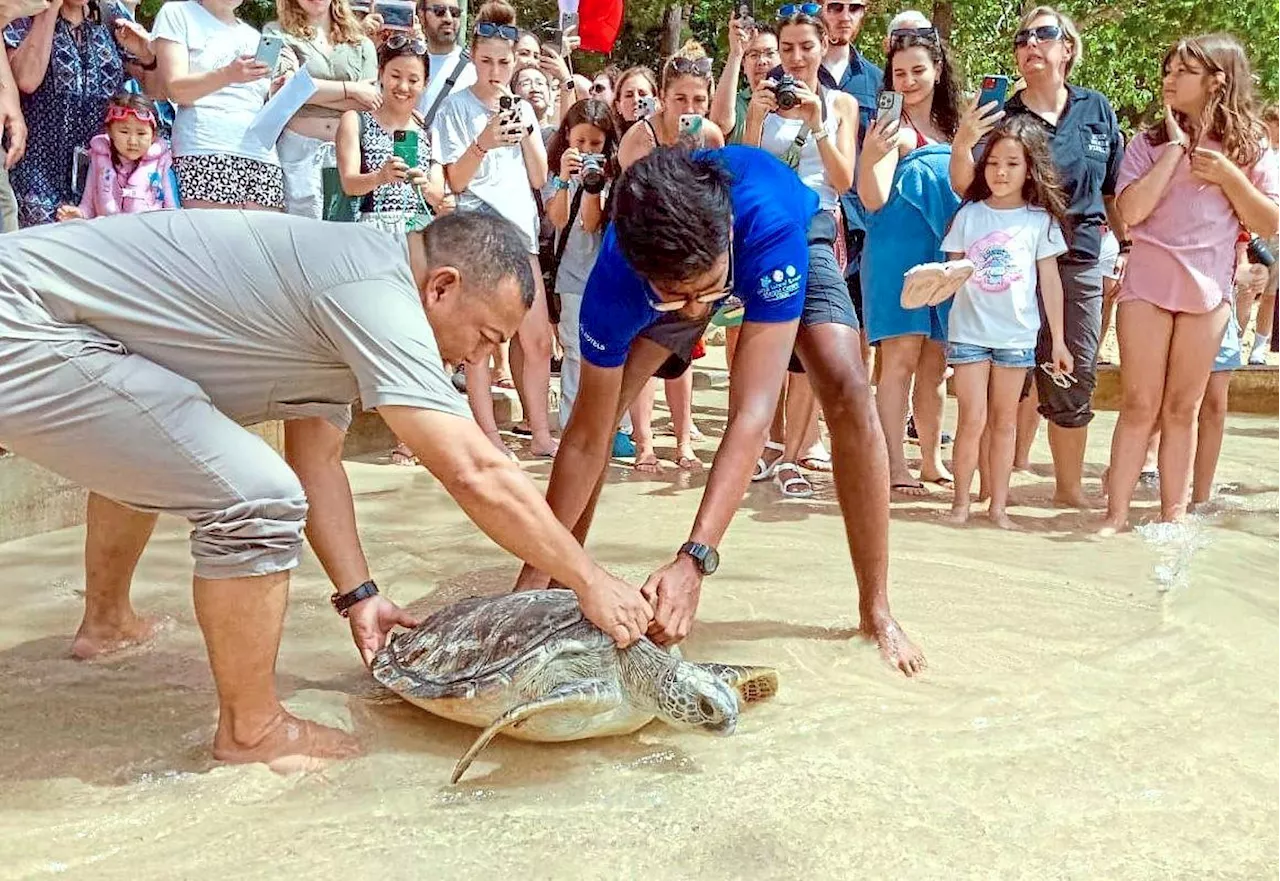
(691, 697)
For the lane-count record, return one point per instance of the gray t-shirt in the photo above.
(501, 183)
(580, 249)
(274, 316)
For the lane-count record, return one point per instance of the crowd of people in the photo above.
(547, 221)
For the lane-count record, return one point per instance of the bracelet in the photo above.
(342, 602)
(821, 135)
(1126, 246)
(559, 183)
(481, 150)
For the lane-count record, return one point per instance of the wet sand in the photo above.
(1091, 710)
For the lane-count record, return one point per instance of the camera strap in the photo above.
(562, 241)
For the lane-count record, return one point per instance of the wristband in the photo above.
(558, 183)
(821, 135)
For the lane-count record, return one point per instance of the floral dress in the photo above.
(85, 70)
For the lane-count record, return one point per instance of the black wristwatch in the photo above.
(707, 558)
(342, 602)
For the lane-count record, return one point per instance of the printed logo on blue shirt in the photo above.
(1098, 143)
(781, 284)
(589, 338)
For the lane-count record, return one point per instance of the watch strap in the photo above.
(342, 602)
(698, 552)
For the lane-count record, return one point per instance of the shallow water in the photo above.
(1091, 710)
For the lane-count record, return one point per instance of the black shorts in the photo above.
(1072, 407)
(826, 301)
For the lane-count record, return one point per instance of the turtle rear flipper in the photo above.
(752, 683)
(593, 694)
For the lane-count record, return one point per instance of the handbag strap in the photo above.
(463, 60)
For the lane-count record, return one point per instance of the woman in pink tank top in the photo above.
(1185, 189)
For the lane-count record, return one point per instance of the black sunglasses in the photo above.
(835, 7)
(598, 88)
(439, 10)
(398, 41)
(488, 29)
(925, 33)
(1046, 33)
(695, 66)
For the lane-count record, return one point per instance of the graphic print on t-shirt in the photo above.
(995, 268)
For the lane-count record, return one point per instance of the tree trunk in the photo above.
(672, 27)
(943, 17)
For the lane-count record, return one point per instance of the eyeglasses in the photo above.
(439, 10)
(925, 33)
(505, 31)
(789, 9)
(118, 113)
(835, 8)
(660, 305)
(695, 66)
(398, 41)
(1046, 33)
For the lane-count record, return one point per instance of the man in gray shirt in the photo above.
(133, 349)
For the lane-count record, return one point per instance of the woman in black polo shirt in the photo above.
(1087, 149)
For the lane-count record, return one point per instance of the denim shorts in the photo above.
(963, 353)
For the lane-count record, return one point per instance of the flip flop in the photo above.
(817, 463)
(689, 463)
(797, 487)
(903, 489)
(944, 482)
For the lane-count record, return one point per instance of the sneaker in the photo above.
(914, 437)
(623, 446)
(1258, 356)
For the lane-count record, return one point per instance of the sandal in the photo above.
(817, 462)
(402, 455)
(504, 382)
(764, 469)
(797, 487)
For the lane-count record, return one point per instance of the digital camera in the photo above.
(1260, 253)
(785, 92)
(592, 173)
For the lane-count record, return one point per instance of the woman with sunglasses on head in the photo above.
(903, 184)
(817, 136)
(324, 38)
(1186, 187)
(686, 89)
(494, 159)
(1087, 147)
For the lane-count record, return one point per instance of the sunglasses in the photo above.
(439, 10)
(926, 33)
(398, 41)
(599, 88)
(1061, 380)
(854, 8)
(1046, 33)
(488, 29)
(660, 305)
(789, 9)
(694, 66)
(116, 113)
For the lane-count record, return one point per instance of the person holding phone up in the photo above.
(491, 148)
(67, 65)
(211, 71)
(814, 130)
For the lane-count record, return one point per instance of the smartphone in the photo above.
(889, 106)
(111, 11)
(269, 51)
(405, 147)
(360, 7)
(397, 15)
(744, 12)
(646, 106)
(691, 124)
(994, 88)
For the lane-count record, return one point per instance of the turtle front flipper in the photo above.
(752, 683)
(593, 694)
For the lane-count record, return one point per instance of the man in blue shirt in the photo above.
(689, 231)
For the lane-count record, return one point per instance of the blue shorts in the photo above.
(1230, 354)
(963, 353)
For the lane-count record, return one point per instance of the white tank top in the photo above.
(779, 136)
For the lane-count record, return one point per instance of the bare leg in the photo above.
(642, 429)
(1002, 429)
(731, 335)
(502, 375)
(1067, 445)
(830, 354)
(1028, 425)
(1196, 340)
(114, 539)
(897, 360)
(534, 341)
(1144, 332)
(480, 396)
(971, 399)
(927, 400)
(242, 619)
(680, 403)
(1110, 289)
(1211, 423)
(801, 409)
(984, 465)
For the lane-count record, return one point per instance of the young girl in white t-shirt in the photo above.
(1010, 228)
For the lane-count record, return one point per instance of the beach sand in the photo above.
(1092, 709)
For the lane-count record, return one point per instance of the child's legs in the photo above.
(1211, 423)
(680, 403)
(1028, 426)
(1005, 388)
(970, 383)
(571, 367)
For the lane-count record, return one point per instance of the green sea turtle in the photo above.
(530, 666)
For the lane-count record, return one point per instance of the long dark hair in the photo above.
(590, 111)
(1043, 188)
(948, 96)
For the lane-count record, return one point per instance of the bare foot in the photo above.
(688, 460)
(99, 640)
(909, 487)
(545, 448)
(496, 439)
(1001, 520)
(287, 745)
(647, 462)
(895, 647)
(957, 516)
(1112, 524)
(402, 455)
(1022, 466)
(1075, 499)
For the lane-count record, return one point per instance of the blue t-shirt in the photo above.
(771, 214)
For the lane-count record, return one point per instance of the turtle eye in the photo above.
(706, 708)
